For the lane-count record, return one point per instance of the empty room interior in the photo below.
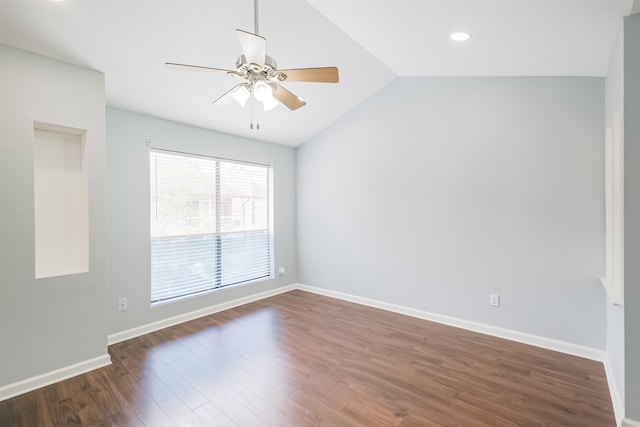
(315, 212)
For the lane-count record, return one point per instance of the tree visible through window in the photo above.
(210, 224)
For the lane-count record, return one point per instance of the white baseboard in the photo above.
(627, 422)
(172, 321)
(39, 381)
(548, 343)
(616, 399)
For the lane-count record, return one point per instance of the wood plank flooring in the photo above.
(300, 359)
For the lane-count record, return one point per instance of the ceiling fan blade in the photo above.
(254, 47)
(318, 75)
(196, 68)
(239, 93)
(287, 98)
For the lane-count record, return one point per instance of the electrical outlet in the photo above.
(122, 304)
(494, 300)
(281, 271)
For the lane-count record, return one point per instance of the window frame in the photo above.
(218, 233)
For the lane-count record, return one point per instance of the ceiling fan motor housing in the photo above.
(255, 72)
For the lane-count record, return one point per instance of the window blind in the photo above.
(210, 224)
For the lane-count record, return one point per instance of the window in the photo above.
(210, 224)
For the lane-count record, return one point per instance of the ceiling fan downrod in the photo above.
(255, 16)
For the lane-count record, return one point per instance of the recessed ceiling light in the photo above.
(460, 36)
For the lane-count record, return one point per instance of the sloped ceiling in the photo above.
(370, 41)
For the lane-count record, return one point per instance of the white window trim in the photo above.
(613, 281)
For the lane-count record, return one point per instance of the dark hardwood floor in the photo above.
(300, 359)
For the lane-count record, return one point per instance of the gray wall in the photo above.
(437, 192)
(128, 211)
(51, 323)
(632, 214)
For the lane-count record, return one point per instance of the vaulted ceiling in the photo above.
(370, 41)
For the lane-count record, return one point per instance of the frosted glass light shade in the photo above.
(262, 91)
(241, 95)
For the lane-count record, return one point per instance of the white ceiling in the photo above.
(370, 41)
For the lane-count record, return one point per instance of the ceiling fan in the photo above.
(261, 75)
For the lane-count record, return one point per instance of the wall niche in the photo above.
(61, 201)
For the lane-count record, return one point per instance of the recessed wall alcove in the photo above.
(61, 205)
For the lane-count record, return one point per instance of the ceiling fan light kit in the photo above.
(262, 75)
